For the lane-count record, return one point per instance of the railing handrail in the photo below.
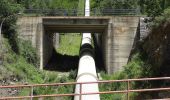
(127, 91)
(73, 83)
(77, 12)
(83, 10)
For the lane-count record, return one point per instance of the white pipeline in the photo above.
(87, 68)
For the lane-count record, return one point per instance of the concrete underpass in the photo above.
(114, 39)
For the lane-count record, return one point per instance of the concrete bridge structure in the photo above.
(116, 35)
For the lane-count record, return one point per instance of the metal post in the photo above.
(80, 91)
(128, 87)
(31, 94)
(95, 12)
(80, 95)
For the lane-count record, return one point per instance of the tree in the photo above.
(166, 3)
(153, 8)
(7, 9)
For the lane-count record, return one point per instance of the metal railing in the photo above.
(75, 12)
(127, 91)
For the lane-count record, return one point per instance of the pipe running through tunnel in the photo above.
(87, 67)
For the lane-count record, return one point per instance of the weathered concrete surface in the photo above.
(56, 40)
(118, 42)
(75, 24)
(118, 35)
(31, 28)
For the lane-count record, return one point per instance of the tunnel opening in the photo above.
(65, 53)
(73, 25)
(98, 56)
(62, 63)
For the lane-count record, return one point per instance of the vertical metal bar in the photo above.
(32, 89)
(94, 12)
(80, 95)
(128, 87)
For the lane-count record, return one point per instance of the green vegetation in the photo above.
(20, 61)
(81, 7)
(136, 68)
(161, 19)
(8, 13)
(69, 44)
(49, 7)
(30, 56)
(18, 69)
(118, 4)
(150, 8)
(139, 66)
(48, 4)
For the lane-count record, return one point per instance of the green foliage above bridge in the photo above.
(48, 4)
(149, 7)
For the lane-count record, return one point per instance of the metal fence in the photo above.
(75, 12)
(126, 91)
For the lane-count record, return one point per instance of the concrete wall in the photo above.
(29, 28)
(118, 42)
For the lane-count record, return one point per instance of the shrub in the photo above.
(134, 69)
(28, 52)
(165, 17)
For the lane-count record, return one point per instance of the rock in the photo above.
(156, 46)
(12, 83)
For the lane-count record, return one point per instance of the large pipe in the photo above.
(87, 68)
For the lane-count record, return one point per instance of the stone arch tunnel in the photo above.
(115, 39)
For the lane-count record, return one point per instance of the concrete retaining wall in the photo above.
(119, 40)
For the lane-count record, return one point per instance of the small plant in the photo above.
(133, 69)
(73, 74)
(28, 52)
(159, 20)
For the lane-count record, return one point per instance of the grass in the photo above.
(69, 44)
(81, 7)
(134, 69)
(24, 72)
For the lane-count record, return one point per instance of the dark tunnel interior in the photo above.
(66, 63)
(62, 63)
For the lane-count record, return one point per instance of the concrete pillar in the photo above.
(104, 48)
(56, 40)
(97, 37)
(41, 35)
(47, 47)
(98, 50)
(108, 48)
(124, 32)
